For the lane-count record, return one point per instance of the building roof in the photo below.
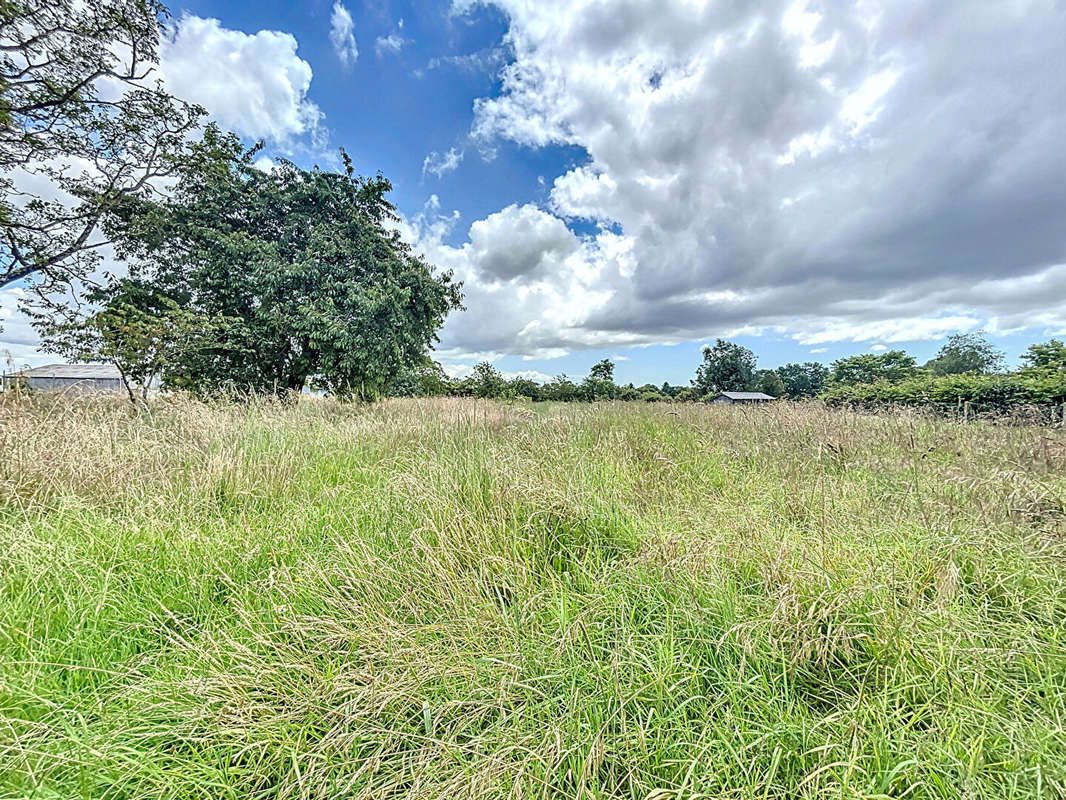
(745, 395)
(80, 372)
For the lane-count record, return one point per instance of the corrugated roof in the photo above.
(72, 371)
(746, 395)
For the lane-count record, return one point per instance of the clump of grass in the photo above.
(430, 598)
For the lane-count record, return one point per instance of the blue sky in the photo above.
(390, 109)
(631, 179)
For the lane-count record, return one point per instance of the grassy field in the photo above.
(460, 599)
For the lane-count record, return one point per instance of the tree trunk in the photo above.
(126, 383)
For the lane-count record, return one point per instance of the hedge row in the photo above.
(959, 394)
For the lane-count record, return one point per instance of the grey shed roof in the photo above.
(82, 372)
(745, 395)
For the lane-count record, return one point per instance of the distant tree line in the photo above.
(967, 373)
(485, 381)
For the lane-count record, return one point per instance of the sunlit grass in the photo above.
(452, 598)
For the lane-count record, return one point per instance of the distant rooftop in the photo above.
(71, 371)
(746, 395)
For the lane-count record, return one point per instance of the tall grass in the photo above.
(453, 598)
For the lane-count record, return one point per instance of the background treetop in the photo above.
(602, 370)
(726, 367)
(803, 380)
(892, 366)
(1050, 355)
(967, 352)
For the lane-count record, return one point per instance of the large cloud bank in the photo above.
(839, 171)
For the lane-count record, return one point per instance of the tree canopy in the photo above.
(139, 333)
(426, 379)
(1050, 355)
(892, 366)
(726, 367)
(313, 286)
(82, 151)
(769, 382)
(560, 388)
(966, 353)
(803, 380)
(602, 370)
(486, 381)
(599, 384)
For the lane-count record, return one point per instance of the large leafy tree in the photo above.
(803, 380)
(892, 367)
(83, 124)
(315, 287)
(966, 353)
(726, 367)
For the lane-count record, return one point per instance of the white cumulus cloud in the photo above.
(254, 84)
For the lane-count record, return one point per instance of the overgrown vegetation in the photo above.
(462, 598)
